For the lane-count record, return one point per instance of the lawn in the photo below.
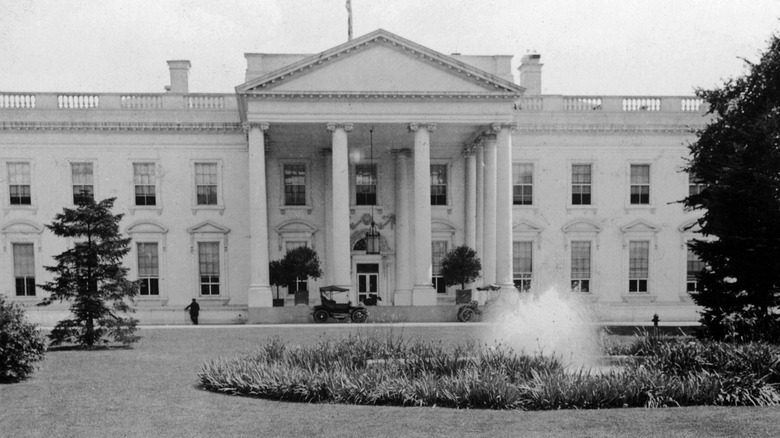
(150, 390)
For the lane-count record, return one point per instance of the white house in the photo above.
(577, 192)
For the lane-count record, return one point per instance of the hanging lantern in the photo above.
(372, 239)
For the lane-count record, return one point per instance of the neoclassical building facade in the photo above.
(430, 150)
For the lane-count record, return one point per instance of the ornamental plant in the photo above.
(460, 266)
(21, 343)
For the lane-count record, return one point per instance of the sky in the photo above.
(588, 47)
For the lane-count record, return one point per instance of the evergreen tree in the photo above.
(301, 262)
(91, 276)
(460, 266)
(737, 159)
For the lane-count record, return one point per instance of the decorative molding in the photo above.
(263, 126)
(366, 219)
(119, 126)
(608, 128)
(347, 127)
(382, 95)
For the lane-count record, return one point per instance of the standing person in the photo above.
(194, 308)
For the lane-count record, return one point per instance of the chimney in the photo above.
(531, 74)
(180, 74)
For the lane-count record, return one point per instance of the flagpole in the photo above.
(349, 20)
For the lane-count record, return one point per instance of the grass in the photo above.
(151, 390)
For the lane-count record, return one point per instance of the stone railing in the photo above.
(117, 101)
(557, 103)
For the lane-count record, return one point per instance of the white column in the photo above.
(403, 255)
(480, 223)
(259, 294)
(423, 293)
(471, 198)
(327, 264)
(504, 208)
(339, 251)
(489, 217)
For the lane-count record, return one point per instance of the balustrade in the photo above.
(204, 102)
(17, 101)
(141, 101)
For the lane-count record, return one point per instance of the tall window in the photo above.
(294, 184)
(365, 184)
(580, 266)
(24, 269)
(438, 250)
(580, 184)
(144, 181)
(19, 183)
(638, 265)
(438, 184)
(208, 267)
(206, 183)
(148, 269)
(640, 184)
(523, 184)
(522, 264)
(83, 180)
(695, 186)
(693, 269)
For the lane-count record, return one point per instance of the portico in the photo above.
(366, 125)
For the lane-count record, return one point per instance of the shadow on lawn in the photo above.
(56, 348)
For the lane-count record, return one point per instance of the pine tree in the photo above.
(737, 159)
(91, 277)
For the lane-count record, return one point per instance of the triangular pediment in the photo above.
(526, 226)
(381, 63)
(640, 226)
(208, 227)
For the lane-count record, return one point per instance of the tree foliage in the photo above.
(90, 276)
(301, 262)
(460, 266)
(737, 159)
(21, 343)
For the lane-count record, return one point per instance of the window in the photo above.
(523, 184)
(365, 184)
(144, 181)
(640, 184)
(83, 181)
(294, 184)
(522, 264)
(24, 269)
(580, 266)
(208, 267)
(638, 265)
(694, 268)
(438, 250)
(148, 269)
(695, 186)
(580, 184)
(206, 183)
(19, 183)
(438, 184)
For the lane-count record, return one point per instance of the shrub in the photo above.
(21, 344)
(391, 371)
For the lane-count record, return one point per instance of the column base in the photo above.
(402, 298)
(260, 296)
(424, 295)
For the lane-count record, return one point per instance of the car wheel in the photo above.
(359, 316)
(466, 314)
(320, 316)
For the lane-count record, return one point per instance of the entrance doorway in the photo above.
(368, 283)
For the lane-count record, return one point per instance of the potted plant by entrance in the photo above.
(301, 263)
(460, 266)
(276, 278)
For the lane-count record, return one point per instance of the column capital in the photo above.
(497, 127)
(415, 126)
(471, 148)
(407, 153)
(263, 126)
(347, 127)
